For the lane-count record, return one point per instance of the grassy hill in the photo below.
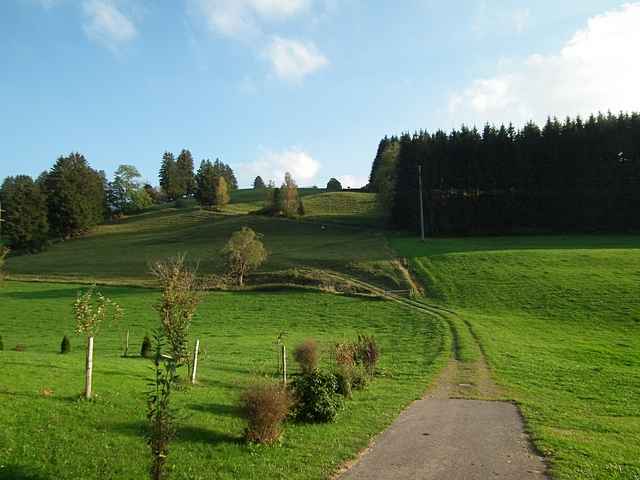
(121, 251)
(559, 321)
(346, 207)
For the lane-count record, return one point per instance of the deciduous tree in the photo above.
(244, 252)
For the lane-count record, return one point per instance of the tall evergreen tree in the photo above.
(76, 196)
(333, 185)
(205, 181)
(24, 208)
(573, 175)
(186, 178)
(169, 177)
(258, 183)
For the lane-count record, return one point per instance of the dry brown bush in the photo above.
(307, 354)
(265, 406)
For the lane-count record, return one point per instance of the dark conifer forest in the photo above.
(571, 176)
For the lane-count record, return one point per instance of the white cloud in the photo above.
(595, 71)
(242, 18)
(273, 165)
(293, 60)
(352, 181)
(106, 24)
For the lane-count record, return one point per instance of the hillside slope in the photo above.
(123, 250)
(558, 319)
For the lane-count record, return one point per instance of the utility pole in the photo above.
(1, 220)
(421, 205)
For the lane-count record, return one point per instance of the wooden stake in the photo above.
(284, 364)
(89, 369)
(195, 362)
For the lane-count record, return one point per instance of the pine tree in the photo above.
(76, 196)
(258, 183)
(186, 179)
(334, 185)
(24, 205)
(205, 181)
(169, 181)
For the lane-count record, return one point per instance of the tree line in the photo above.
(566, 176)
(72, 197)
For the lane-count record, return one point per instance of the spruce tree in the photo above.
(205, 184)
(186, 179)
(169, 178)
(24, 205)
(334, 185)
(76, 196)
(258, 183)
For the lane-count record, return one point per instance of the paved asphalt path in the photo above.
(451, 439)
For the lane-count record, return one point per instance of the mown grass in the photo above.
(123, 250)
(559, 321)
(53, 435)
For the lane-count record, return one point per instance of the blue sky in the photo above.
(308, 86)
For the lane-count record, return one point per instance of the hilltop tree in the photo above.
(169, 181)
(221, 192)
(244, 252)
(126, 193)
(258, 183)
(186, 179)
(76, 196)
(25, 224)
(223, 170)
(334, 185)
(212, 188)
(289, 196)
(205, 182)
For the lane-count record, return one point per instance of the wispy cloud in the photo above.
(595, 71)
(243, 18)
(107, 25)
(273, 165)
(249, 21)
(293, 60)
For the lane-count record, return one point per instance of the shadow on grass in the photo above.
(185, 434)
(217, 409)
(68, 293)
(18, 472)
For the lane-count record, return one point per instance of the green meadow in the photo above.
(47, 432)
(558, 319)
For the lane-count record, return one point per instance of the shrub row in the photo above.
(314, 396)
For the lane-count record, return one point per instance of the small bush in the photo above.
(147, 350)
(316, 397)
(350, 378)
(20, 347)
(265, 406)
(307, 355)
(367, 353)
(65, 345)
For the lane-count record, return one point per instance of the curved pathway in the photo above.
(458, 431)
